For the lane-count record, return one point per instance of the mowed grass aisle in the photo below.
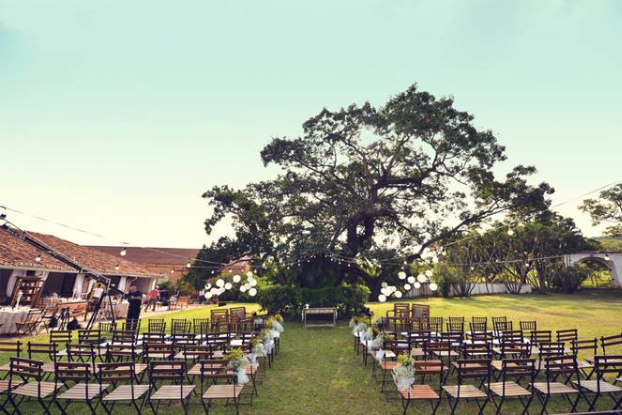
(318, 372)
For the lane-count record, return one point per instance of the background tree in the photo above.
(403, 177)
(607, 210)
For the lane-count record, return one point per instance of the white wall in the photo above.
(479, 288)
(614, 263)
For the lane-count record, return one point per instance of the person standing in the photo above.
(154, 296)
(135, 298)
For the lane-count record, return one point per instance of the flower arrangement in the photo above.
(279, 318)
(257, 350)
(404, 372)
(238, 364)
(358, 326)
(266, 339)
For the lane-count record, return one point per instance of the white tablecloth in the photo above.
(8, 318)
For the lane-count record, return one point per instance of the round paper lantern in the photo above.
(398, 294)
(411, 279)
(249, 274)
(407, 287)
(417, 285)
(208, 296)
(382, 298)
(243, 289)
(253, 283)
(208, 286)
(433, 286)
(252, 292)
(236, 278)
(401, 275)
(384, 285)
(429, 273)
(421, 278)
(220, 283)
(228, 286)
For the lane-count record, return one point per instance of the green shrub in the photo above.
(348, 299)
(570, 278)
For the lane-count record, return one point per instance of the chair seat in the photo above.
(419, 392)
(49, 367)
(388, 364)
(172, 392)
(5, 368)
(250, 369)
(445, 353)
(556, 388)
(417, 352)
(592, 386)
(464, 391)
(124, 393)
(4, 385)
(32, 389)
(467, 365)
(223, 392)
(511, 389)
(82, 392)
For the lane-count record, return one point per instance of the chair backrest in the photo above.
(131, 324)
(120, 352)
(158, 351)
(455, 326)
(12, 347)
(435, 324)
(540, 336)
(454, 337)
(515, 349)
(117, 372)
(479, 320)
(200, 326)
(551, 349)
(161, 371)
(478, 326)
(219, 315)
(124, 337)
(107, 328)
(90, 336)
(457, 319)
(419, 311)
(154, 337)
(473, 369)
(512, 336)
(50, 350)
(528, 326)
(181, 339)
(476, 351)
(81, 352)
(237, 313)
(420, 336)
(72, 372)
(21, 369)
(481, 336)
(561, 365)
(213, 371)
(61, 336)
(567, 336)
(499, 319)
(502, 325)
(197, 351)
(34, 315)
(608, 342)
(590, 345)
(156, 325)
(517, 369)
(180, 325)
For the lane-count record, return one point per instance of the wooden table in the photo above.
(332, 311)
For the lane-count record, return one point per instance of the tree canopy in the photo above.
(607, 209)
(367, 184)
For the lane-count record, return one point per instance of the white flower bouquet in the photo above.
(404, 372)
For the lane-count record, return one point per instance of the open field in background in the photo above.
(318, 372)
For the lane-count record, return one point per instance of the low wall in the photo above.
(479, 288)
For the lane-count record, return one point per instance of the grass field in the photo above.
(317, 371)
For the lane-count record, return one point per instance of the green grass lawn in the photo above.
(318, 372)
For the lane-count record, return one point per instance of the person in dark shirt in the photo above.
(135, 298)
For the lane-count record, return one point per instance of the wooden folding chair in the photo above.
(609, 342)
(200, 327)
(29, 371)
(13, 348)
(435, 325)
(168, 371)
(589, 346)
(554, 367)
(476, 370)
(527, 327)
(131, 324)
(422, 392)
(29, 326)
(567, 336)
(180, 325)
(603, 365)
(123, 377)
(125, 337)
(82, 391)
(230, 391)
(44, 351)
(156, 325)
(157, 352)
(153, 337)
(512, 372)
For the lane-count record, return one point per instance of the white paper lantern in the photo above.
(253, 283)
(249, 274)
(407, 287)
(237, 278)
(208, 286)
(429, 273)
(411, 279)
(382, 298)
(398, 294)
(417, 285)
(401, 275)
(208, 295)
(422, 278)
(384, 285)
(252, 292)
(433, 286)
(228, 286)
(243, 289)
(220, 283)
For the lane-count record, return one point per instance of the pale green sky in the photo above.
(116, 115)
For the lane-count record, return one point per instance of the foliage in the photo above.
(569, 279)
(364, 180)
(606, 210)
(445, 277)
(348, 299)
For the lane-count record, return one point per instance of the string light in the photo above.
(123, 252)
(38, 258)
(116, 267)
(189, 265)
(607, 258)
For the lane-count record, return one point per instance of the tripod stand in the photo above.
(99, 309)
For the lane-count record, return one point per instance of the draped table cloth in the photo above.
(9, 316)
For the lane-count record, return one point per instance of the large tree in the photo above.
(607, 209)
(403, 177)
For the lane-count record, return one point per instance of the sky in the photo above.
(116, 116)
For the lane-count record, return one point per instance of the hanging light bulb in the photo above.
(510, 232)
(607, 257)
(213, 272)
(172, 271)
(38, 258)
(189, 265)
(116, 266)
(123, 252)
(2, 219)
